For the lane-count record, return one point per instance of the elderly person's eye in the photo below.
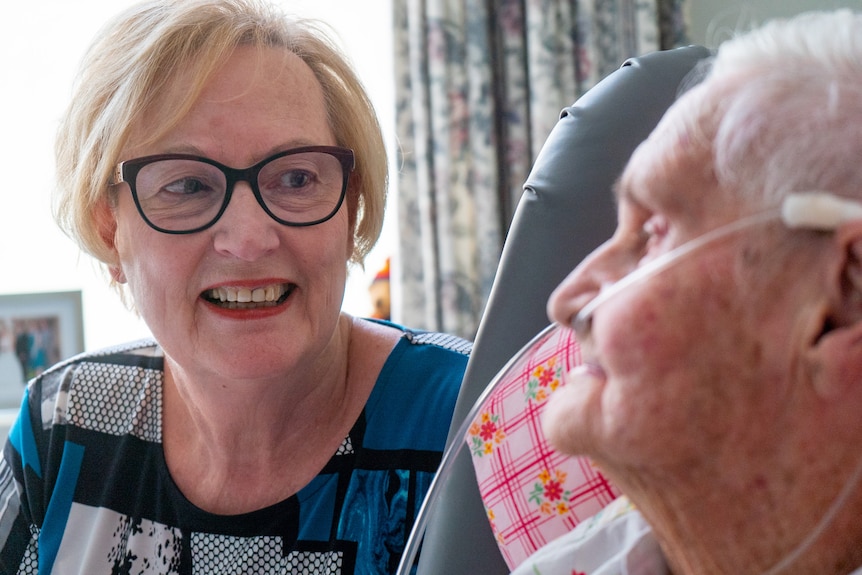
(653, 232)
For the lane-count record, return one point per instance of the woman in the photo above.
(225, 164)
(720, 390)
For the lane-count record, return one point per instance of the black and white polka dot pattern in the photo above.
(224, 554)
(443, 340)
(346, 447)
(314, 563)
(30, 562)
(117, 400)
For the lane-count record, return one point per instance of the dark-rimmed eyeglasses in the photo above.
(184, 194)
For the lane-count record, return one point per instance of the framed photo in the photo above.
(36, 331)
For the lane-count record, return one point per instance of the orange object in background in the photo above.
(380, 294)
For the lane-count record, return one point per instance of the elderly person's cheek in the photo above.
(620, 384)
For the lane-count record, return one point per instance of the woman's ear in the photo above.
(117, 275)
(106, 227)
(106, 224)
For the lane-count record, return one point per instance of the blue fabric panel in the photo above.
(21, 437)
(57, 514)
(407, 414)
(317, 506)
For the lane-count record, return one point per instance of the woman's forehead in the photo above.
(250, 80)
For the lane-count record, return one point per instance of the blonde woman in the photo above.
(225, 165)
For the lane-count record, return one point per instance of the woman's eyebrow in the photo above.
(194, 150)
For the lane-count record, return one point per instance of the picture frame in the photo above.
(36, 331)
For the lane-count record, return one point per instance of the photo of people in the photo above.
(36, 331)
(27, 346)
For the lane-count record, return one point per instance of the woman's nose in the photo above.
(245, 230)
(602, 267)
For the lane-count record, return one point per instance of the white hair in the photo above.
(781, 108)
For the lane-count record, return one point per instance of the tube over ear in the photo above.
(817, 210)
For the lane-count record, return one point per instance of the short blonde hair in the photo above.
(140, 53)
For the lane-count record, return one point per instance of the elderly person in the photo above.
(722, 381)
(225, 164)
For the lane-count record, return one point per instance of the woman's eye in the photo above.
(187, 186)
(295, 179)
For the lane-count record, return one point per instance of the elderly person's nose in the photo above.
(245, 230)
(602, 267)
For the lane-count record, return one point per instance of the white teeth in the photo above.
(268, 294)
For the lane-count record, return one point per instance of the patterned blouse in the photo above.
(84, 487)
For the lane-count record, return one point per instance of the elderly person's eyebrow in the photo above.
(620, 190)
(626, 190)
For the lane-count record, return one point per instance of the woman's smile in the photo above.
(230, 297)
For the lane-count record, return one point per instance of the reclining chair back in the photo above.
(567, 210)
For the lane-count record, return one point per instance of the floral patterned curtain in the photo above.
(479, 86)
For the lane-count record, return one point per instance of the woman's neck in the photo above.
(240, 447)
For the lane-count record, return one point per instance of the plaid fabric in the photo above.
(532, 493)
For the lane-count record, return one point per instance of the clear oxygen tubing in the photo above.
(815, 210)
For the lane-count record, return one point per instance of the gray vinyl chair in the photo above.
(566, 210)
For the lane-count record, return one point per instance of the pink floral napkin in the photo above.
(532, 494)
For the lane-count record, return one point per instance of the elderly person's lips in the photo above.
(559, 421)
(559, 418)
(248, 298)
(586, 369)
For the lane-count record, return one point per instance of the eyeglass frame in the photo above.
(127, 172)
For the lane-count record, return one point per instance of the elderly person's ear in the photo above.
(849, 240)
(838, 349)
